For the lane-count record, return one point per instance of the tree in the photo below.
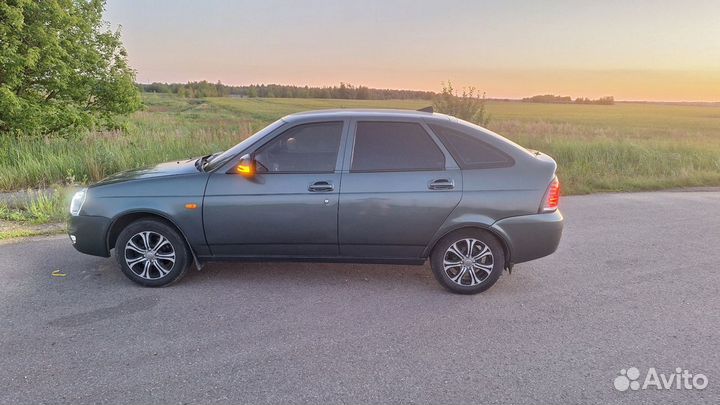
(343, 91)
(363, 93)
(61, 69)
(221, 90)
(468, 106)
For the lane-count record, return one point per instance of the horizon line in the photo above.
(498, 98)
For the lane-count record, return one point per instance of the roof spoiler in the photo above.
(428, 109)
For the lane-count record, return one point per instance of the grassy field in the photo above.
(625, 147)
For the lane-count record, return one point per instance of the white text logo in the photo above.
(679, 380)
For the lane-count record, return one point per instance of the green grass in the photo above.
(18, 233)
(41, 209)
(24, 233)
(625, 147)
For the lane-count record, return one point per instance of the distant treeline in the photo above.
(343, 91)
(550, 98)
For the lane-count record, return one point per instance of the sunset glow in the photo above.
(647, 50)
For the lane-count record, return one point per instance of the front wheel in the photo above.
(152, 253)
(468, 261)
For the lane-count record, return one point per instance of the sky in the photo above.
(632, 50)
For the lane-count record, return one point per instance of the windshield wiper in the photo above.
(201, 162)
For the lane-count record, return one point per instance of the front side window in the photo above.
(306, 148)
(224, 157)
(469, 151)
(394, 146)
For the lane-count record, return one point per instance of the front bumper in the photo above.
(89, 234)
(531, 236)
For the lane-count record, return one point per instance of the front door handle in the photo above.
(321, 186)
(441, 184)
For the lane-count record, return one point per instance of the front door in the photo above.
(399, 188)
(290, 206)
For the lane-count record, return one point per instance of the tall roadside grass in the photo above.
(596, 159)
(624, 147)
(41, 207)
(31, 163)
(154, 136)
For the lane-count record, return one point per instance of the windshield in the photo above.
(222, 158)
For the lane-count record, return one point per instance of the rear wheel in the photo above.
(152, 253)
(468, 261)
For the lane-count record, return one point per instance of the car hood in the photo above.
(174, 168)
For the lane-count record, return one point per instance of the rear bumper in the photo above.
(531, 236)
(88, 234)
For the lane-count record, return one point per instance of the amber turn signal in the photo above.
(244, 169)
(191, 206)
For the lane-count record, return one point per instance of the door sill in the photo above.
(333, 259)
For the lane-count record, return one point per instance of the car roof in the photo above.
(363, 113)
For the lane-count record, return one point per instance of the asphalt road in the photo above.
(635, 283)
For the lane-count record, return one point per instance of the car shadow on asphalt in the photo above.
(410, 279)
(297, 274)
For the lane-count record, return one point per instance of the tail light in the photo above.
(552, 196)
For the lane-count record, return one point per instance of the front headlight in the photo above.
(77, 202)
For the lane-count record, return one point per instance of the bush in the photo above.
(468, 106)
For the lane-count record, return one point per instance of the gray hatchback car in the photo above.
(378, 186)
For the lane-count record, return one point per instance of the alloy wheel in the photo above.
(468, 262)
(149, 255)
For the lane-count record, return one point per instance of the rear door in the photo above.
(289, 208)
(398, 186)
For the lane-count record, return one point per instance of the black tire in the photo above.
(482, 280)
(155, 277)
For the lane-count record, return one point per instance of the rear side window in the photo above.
(469, 151)
(394, 146)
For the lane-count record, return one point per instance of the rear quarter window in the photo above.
(471, 152)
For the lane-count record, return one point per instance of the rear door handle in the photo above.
(321, 186)
(441, 184)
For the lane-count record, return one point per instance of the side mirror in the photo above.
(246, 166)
